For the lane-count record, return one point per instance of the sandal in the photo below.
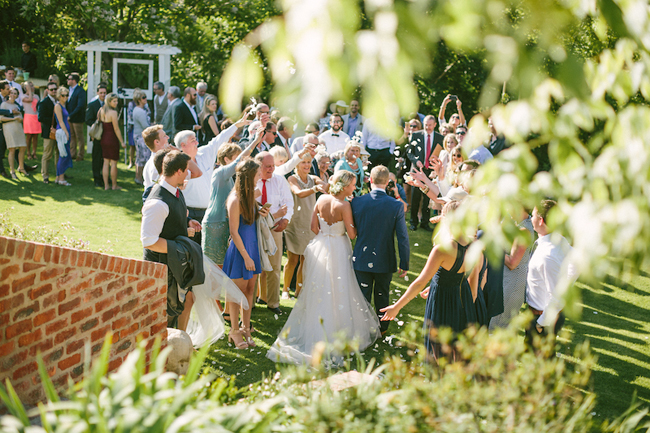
(13, 175)
(63, 182)
(249, 339)
(236, 338)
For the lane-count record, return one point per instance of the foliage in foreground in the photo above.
(499, 386)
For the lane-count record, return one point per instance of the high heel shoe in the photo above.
(13, 175)
(236, 338)
(248, 337)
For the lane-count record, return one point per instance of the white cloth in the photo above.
(480, 154)
(197, 191)
(206, 324)
(330, 305)
(332, 143)
(61, 140)
(150, 174)
(266, 242)
(298, 144)
(278, 193)
(546, 268)
(374, 141)
(154, 214)
(288, 166)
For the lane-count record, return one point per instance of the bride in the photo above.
(331, 305)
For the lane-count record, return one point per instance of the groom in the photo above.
(377, 217)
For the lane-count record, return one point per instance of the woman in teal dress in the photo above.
(351, 161)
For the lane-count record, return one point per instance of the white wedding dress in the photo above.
(330, 305)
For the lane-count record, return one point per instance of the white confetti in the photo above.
(370, 265)
(276, 316)
(365, 248)
(400, 323)
(416, 245)
(364, 285)
(406, 277)
(595, 312)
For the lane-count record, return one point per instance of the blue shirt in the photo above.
(352, 125)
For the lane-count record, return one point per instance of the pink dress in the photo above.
(31, 124)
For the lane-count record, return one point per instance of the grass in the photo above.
(615, 316)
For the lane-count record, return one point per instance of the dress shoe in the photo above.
(30, 167)
(5, 175)
(79, 159)
(426, 228)
(260, 301)
(413, 227)
(67, 176)
(275, 310)
(99, 184)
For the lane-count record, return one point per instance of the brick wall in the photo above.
(56, 300)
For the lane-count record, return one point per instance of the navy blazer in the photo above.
(76, 105)
(92, 110)
(183, 118)
(45, 109)
(378, 218)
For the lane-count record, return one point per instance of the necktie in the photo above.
(178, 193)
(264, 200)
(428, 152)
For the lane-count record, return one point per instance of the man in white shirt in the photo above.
(298, 143)
(334, 138)
(275, 190)
(380, 148)
(10, 76)
(197, 190)
(201, 90)
(480, 154)
(548, 270)
(353, 122)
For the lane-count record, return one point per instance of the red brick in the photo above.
(81, 258)
(102, 264)
(73, 257)
(138, 267)
(29, 251)
(69, 277)
(143, 335)
(150, 319)
(45, 317)
(51, 273)
(124, 293)
(103, 276)
(70, 305)
(163, 290)
(89, 260)
(39, 291)
(11, 303)
(158, 327)
(4, 290)
(56, 255)
(89, 324)
(47, 254)
(130, 305)
(132, 279)
(69, 362)
(14, 360)
(100, 305)
(4, 320)
(20, 249)
(6, 348)
(32, 337)
(31, 266)
(41, 347)
(18, 328)
(158, 303)
(117, 284)
(120, 323)
(141, 311)
(11, 247)
(9, 270)
(38, 252)
(55, 298)
(61, 381)
(3, 244)
(80, 315)
(74, 346)
(23, 283)
(93, 294)
(25, 370)
(114, 364)
(65, 253)
(160, 271)
(125, 266)
(110, 314)
(145, 284)
(111, 264)
(99, 333)
(81, 286)
(131, 266)
(130, 330)
(24, 313)
(56, 326)
(97, 258)
(4, 261)
(149, 296)
(65, 335)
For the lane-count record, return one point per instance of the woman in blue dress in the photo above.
(242, 262)
(61, 115)
(447, 270)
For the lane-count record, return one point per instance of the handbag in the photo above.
(53, 128)
(96, 130)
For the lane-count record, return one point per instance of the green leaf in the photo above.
(48, 386)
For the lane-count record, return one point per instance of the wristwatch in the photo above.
(424, 190)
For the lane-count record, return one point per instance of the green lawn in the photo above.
(615, 315)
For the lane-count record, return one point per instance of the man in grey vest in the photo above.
(160, 103)
(173, 96)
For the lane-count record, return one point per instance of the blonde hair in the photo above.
(340, 180)
(205, 111)
(450, 207)
(107, 101)
(447, 139)
(279, 153)
(350, 144)
(228, 150)
(137, 96)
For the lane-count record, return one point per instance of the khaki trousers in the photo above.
(77, 140)
(270, 281)
(49, 152)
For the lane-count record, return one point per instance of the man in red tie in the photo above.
(275, 190)
(421, 145)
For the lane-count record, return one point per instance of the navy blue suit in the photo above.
(378, 218)
(76, 105)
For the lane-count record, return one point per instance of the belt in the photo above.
(197, 209)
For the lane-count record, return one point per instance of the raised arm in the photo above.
(459, 107)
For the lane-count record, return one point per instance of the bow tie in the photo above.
(335, 135)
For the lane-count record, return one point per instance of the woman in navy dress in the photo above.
(447, 271)
(242, 262)
(61, 115)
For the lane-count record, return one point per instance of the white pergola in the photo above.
(96, 48)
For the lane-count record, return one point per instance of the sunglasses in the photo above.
(64, 94)
(461, 132)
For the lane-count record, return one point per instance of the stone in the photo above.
(178, 360)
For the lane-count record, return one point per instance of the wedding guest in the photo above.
(216, 231)
(208, 120)
(280, 155)
(130, 126)
(448, 144)
(185, 117)
(353, 122)
(140, 123)
(14, 135)
(546, 269)
(160, 102)
(111, 140)
(242, 262)
(28, 60)
(91, 117)
(275, 190)
(351, 161)
(31, 127)
(323, 162)
(514, 273)
(54, 79)
(456, 119)
(61, 116)
(201, 98)
(4, 94)
(380, 148)
(285, 132)
(334, 139)
(298, 143)
(173, 98)
(76, 107)
(298, 234)
(10, 76)
(46, 117)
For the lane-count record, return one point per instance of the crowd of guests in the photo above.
(251, 190)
